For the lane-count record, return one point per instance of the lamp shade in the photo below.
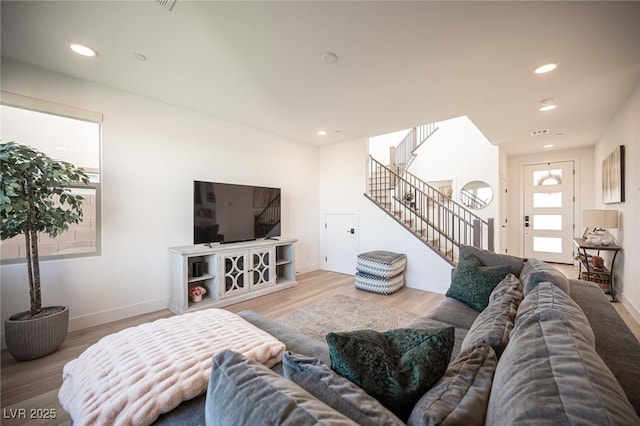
(606, 219)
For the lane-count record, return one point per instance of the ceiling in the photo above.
(400, 64)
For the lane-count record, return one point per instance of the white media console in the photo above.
(231, 273)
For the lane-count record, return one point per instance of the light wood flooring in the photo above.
(34, 384)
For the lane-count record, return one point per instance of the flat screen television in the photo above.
(226, 213)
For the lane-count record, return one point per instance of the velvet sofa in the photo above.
(544, 350)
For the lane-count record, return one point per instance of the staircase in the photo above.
(431, 216)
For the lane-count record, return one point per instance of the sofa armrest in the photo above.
(615, 343)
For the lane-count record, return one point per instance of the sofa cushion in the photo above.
(473, 282)
(395, 367)
(489, 258)
(244, 392)
(536, 271)
(548, 296)
(462, 395)
(495, 322)
(511, 287)
(453, 312)
(549, 374)
(616, 344)
(318, 379)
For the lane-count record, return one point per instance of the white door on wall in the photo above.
(341, 242)
(548, 221)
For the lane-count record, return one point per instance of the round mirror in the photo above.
(476, 194)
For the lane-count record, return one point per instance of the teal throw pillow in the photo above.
(473, 282)
(396, 367)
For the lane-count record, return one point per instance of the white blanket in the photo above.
(133, 376)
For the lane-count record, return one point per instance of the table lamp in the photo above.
(601, 221)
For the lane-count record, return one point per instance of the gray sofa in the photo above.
(557, 354)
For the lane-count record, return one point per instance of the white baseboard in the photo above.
(635, 313)
(110, 315)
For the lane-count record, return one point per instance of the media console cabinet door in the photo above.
(234, 276)
(261, 269)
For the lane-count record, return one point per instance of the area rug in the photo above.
(344, 313)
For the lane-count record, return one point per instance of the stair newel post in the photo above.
(490, 234)
(477, 233)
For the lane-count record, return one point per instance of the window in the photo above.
(63, 133)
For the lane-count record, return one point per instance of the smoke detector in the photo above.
(167, 4)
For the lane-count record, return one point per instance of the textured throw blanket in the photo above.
(133, 376)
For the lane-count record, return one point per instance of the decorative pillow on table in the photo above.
(396, 367)
(244, 392)
(462, 395)
(321, 381)
(473, 282)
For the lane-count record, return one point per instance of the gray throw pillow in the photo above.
(318, 379)
(489, 258)
(510, 286)
(462, 395)
(551, 375)
(244, 392)
(536, 271)
(395, 367)
(494, 324)
(473, 282)
(548, 296)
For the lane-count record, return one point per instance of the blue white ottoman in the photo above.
(380, 271)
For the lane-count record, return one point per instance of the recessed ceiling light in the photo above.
(549, 145)
(322, 133)
(82, 50)
(545, 68)
(547, 105)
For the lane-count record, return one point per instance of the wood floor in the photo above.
(33, 385)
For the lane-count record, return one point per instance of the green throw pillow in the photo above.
(473, 282)
(396, 367)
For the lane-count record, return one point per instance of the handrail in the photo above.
(436, 220)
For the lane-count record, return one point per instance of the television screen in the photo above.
(226, 213)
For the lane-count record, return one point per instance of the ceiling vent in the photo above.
(539, 132)
(167, 4)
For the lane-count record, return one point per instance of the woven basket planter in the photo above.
(34, 338)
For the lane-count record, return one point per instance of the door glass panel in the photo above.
(547, 177)
(543, 200)
(547, 244)
(547, 222)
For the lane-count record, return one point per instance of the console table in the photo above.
(600, 275)
(230, 273)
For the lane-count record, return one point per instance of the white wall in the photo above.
(343, 173)
(584, 183)
(625, 130)
(151, 154)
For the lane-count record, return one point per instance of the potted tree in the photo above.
(35, 197)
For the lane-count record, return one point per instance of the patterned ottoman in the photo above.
(380, 271)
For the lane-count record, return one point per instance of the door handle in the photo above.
(351, 231)
(526, 221)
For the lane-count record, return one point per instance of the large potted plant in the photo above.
(35, 197)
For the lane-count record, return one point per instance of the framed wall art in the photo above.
(613, 177)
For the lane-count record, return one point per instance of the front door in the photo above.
(341, 242)
(548, 221)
